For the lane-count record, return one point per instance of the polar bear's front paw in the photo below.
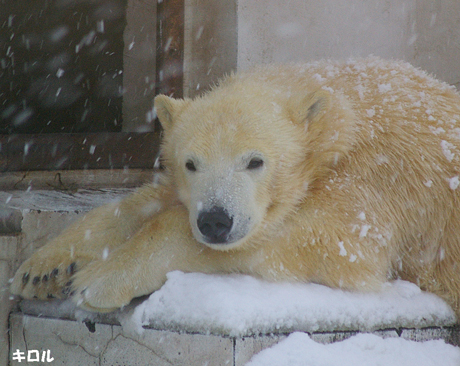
(101, 287)
(46, 276)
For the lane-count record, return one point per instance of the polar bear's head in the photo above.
(237, 162)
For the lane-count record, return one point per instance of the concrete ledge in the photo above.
(60, 200)
(73, 180)
(76, 343)
(39, 216)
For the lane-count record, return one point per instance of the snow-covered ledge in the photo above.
(228, 319)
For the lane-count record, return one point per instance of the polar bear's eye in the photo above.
(190, 166)
(255, 163)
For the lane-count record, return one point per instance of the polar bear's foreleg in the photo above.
(47, 274)
(165, 243)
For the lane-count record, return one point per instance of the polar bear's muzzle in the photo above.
(215, 225)
(222, 208)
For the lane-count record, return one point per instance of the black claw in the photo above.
(50, 296)
(91, 326)
(36, 280)
(72, 293)
(35, 297)
(71, 268)
(45, 278)
(54, 273)
(67, 288)
(25, 278)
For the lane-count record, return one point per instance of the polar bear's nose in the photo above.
(215, 225)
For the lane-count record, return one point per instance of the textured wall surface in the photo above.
(423, 32)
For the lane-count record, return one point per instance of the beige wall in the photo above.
(437, 47)
(221, 36)
(423, 32)
(210, 43)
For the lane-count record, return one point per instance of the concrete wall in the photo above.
(221, 36)
(423, 32)
(210, 43)
(437, 47)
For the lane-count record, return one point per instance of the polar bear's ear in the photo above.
(313, 106)
(167, 109)
(318, 103)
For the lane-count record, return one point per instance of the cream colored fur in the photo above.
(358, 186)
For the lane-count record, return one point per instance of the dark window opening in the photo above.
(66, 101)
(62, 66)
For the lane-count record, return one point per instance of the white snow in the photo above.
(22, 117)
(238, 305)
(100, 26)
(364, 230)
(446, 150)
(59, 33)
(412, 39)
(105, 253)
(353, 258)
(360, 350)
(454, 183)
(199, 33)
(319, 78)
(428, 183)
(384, 88)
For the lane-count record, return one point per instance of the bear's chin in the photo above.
(230, 243)
(224, 246)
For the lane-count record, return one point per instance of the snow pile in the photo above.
(361, 350)
(238, 305)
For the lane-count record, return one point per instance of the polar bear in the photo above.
(340, 173)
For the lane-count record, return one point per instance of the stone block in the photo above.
(73, 343)
(70, 343)
(159, 347)
(10, 220)
(42, 215)
(9, 245)
(6, 304)
(247, 347)
(331, 337)
(450, 335)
